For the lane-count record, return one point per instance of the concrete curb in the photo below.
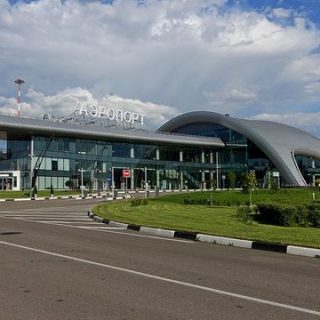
(158, 232)
(77, 197)
(225, 241)
(287, 249)
(104, 196)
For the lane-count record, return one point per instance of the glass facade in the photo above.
(239, 156)
(310, 169)
(64, 161)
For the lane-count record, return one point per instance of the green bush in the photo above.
(302, 215)
(138, 202)
(196, 201)
(314, 214)
(244, 213)
(213, 202)
(277, 214)
(285, 215)
(135, 202)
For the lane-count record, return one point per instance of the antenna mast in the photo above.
(19, 82)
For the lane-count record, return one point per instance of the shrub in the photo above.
(314, 215)
(277, 214)
(135, 202)
(244, 213)
(139, 202)
(302, 215)
(287, 216)
(197, 201)
(144, 201)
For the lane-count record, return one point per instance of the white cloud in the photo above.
(306, 121)
(282, 13)
(177, 55)
(67, 101)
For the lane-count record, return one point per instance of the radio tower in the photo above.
(19, 82)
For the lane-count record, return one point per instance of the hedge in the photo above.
(284, 215)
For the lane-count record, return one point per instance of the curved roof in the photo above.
(36, 126)
(278, 141)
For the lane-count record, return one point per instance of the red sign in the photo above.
(126, 173)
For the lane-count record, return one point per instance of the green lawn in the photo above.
(289, 196)
(170, 213)
(41, 193)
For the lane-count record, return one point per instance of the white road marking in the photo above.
(42, 219)
(45, 215)
(109, 230)
(168, 280)
(60, 218)
(101, 228)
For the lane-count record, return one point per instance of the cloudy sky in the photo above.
(250, 58)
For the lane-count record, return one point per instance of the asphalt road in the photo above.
(57, 264)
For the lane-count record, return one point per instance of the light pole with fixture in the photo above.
(81, 187)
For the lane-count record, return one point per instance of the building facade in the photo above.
(197, 150)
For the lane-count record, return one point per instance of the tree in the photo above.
(231, 179)
(249, 183)
(213, 184)
(69, 184)
(34, 191)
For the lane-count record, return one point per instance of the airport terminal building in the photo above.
(196, 150)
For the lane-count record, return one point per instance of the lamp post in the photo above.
(145, 182)
(31, 166)
(81, 187)
(112, 182)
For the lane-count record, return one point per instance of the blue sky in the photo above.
(249, 58)
(311, 8)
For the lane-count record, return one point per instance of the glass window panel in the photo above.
(54, 165)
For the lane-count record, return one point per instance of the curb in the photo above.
(58, 198)
(104, 196)
(257, 245)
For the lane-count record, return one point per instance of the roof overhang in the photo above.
(278, 141)
(42, 127)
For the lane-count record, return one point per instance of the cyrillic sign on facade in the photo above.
(111, 114)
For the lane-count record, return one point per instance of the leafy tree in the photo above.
(213, 184)
(249, 183)
(69, 184)
(231, 179)
(34, 191)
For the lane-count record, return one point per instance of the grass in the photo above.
(169, 212)
(289, 196)
(41, 193)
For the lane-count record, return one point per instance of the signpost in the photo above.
(126, 173)
(223, 177)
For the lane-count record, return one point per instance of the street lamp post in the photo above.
(112, 182)
(31, 167)
(146, 186)
(81, 187)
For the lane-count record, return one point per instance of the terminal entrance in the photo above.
(6, 183)
(137, 179)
